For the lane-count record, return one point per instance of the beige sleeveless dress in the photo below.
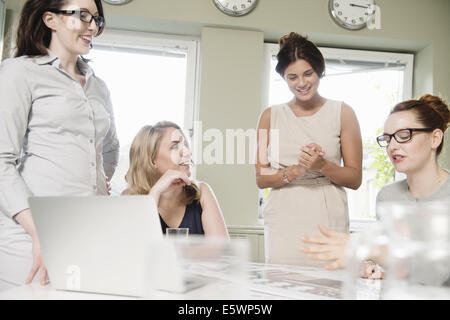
(295, 209)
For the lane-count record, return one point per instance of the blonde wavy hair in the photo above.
(142, 173)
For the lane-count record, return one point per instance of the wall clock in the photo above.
(351, 14)
(235, 7)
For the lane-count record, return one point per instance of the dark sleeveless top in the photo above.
(192, 219)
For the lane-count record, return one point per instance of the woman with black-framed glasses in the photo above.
(57, 131)
(414, 138)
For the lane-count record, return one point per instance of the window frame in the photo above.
(406, 59)
(123, 39)
(147, 41)
(271, 50)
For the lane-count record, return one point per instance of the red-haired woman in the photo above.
(413, 137)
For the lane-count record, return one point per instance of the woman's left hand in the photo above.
(311, 157)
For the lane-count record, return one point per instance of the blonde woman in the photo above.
(160, 165)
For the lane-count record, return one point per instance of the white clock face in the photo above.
(352, 14)
(235, 7)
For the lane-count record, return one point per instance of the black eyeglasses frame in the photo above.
(411, 130)
(99, 20)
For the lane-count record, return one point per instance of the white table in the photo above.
(266, 281)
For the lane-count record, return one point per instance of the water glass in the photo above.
(177, 232)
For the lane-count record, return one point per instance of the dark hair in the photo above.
(295, 47)
(33, 36)
(431, 111)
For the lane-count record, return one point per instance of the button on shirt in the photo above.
(56, 137)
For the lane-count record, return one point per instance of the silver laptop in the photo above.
(98, 244)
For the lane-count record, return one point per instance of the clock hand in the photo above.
(356, 5)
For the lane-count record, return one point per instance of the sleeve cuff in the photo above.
(14, 200)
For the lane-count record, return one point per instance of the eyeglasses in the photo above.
(401, 136)
(84, 16)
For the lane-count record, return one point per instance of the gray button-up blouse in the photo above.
(56, 137)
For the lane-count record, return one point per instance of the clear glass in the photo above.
(177, 232)
(412, 243)
(363, 246)
(419, 250)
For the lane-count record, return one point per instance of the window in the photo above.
(151, 78)
(371, 83)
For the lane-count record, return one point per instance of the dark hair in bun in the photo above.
(432, 112)
(295, 47)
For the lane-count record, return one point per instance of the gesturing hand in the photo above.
(332, 247)
(311, 157)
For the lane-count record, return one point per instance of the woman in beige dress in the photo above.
(301, 145)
